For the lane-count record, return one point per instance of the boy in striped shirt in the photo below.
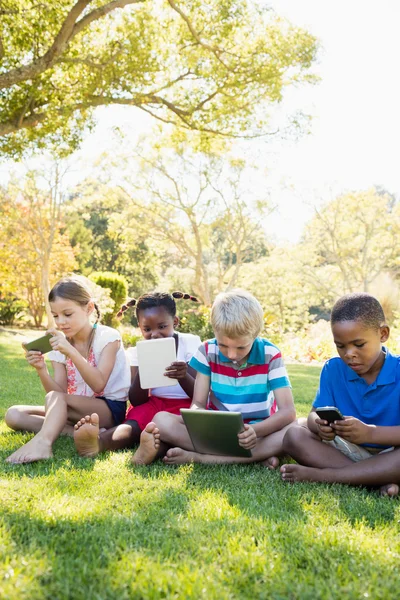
(236, 371)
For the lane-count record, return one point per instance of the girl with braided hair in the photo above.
(156, 315)
(91, 373)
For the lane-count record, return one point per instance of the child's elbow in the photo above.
(291, 415)
(99, 387)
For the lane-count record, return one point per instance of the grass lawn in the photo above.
(72, 528)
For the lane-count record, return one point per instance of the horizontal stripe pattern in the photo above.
(248, 390)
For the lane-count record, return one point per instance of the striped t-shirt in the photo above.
(246, 389)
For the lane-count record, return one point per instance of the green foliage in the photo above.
(351, 241)
(106, 240)
(215, 67)
(11, 309)
(118, 287)
(196, 321)
(130, 339)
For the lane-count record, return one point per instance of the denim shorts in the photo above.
(117, 407)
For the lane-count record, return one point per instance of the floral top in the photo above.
(117, 386)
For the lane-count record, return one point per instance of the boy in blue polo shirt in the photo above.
(364, 384)
(236, 371)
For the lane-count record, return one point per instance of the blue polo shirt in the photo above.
(374, 404)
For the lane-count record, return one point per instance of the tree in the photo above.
(214, 66)
(33, 249)
(197, 205)
(352, 240)
(104, 240)
(278, 282)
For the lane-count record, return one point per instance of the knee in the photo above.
(161, 419)
(54, 396)
(13, 418)
(293, 439)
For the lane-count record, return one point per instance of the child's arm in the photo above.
(185, 375)
(201, 391)
(355, 431)
(286, 414)
(58, 383)
(95, 377)
(137, 395)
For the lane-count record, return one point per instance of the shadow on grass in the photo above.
(258, 491)
(64, 456)
(172, 545)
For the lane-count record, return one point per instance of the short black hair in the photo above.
(358, 307)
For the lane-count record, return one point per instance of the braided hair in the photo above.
(154, 300)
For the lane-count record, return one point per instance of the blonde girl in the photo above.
(91, 373)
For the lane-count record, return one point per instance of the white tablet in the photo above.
(153, 358)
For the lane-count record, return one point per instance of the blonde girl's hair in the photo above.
(71, 288)
(236, 314)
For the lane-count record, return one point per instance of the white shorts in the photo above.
(354, 451)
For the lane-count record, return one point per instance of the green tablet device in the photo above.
(42, 344)
(215, 432)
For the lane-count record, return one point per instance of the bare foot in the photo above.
(178, 456)
(271, 463)
(391, 489)
(36, 449)
(86, 436)
(294, 473)
(149, 445)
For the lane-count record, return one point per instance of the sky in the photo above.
(355, 127)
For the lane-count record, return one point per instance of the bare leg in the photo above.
(307, 449)
(30, 418)
(379, 470)
(60, 408)
(173, 431)
(89, 442)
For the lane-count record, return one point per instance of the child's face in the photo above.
(360, 346)
(156, 323)
(236, 349)
(69, 316)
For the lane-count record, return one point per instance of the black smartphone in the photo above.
(42, 344)
(329, 413)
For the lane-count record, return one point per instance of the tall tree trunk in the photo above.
(45, 281)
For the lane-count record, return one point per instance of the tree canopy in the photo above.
(213, 66)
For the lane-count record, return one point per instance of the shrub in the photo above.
(196, 321)
(11, 309)
(118, 287)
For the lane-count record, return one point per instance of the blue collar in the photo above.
(256, 356)
(386, 375)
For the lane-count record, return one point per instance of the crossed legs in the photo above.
(60, 411)
(314, 456)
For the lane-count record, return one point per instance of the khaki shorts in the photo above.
(354, 451)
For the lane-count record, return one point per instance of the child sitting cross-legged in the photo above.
(236, 371)
(364, 384)
(157, 319)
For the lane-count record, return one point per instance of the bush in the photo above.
(130, 339)
(118, 287)
(196, 321)
(11, 309)
(315, 344)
